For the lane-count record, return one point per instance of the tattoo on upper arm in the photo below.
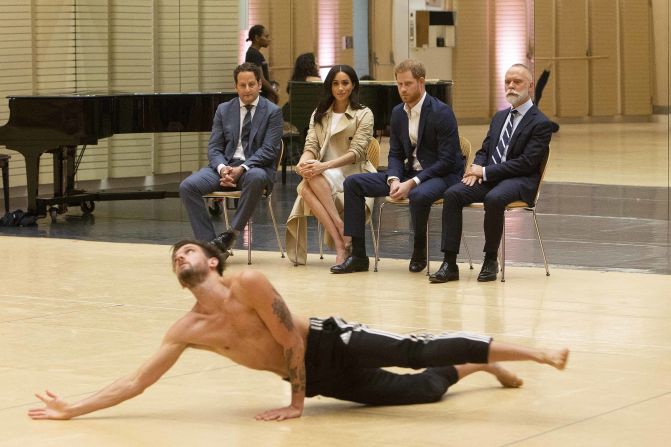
(281, 311)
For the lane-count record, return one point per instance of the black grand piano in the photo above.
(59, 124)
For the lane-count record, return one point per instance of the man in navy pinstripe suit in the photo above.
(506, 169)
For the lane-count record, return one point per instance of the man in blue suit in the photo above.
(506, 169)
(243, 148)
(424, 160)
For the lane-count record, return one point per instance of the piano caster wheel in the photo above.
(53, 213)
(215, 208)
(87, 207)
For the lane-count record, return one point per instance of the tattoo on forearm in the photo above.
(296, 372)
(281, 311)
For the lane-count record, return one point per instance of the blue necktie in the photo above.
(246, 127)
(502, 147)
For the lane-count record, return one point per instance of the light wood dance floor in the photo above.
(78, 314)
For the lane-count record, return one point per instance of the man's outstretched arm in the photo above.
(116, 392)
(274, 312)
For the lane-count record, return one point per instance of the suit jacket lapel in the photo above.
(325, 132)
(235, 116)
(526, 120)
(497, 125)
(232, 118)
(423, 117)
(259, 116)
(407, 146)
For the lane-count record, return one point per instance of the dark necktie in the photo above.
(246, 127)
(502, 147)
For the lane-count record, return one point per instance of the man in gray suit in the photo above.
(243, 148)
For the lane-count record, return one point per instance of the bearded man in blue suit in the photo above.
(242, 151)
(424, 160)
(507, 168)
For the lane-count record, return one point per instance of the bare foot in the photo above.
(507, 378)
(557, 358)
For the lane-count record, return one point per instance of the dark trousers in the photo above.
(252, 184)
(495, 197)
(359, 186)
(344, 361)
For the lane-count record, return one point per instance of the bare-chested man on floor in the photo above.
(242, 317)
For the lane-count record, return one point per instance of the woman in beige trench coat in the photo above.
(335, 147)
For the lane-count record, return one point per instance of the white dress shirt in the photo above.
(414, 115)
(239, 150)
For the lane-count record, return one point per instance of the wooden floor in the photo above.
(113, 301)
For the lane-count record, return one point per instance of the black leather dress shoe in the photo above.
(224, 241)
(417, 261)
(490, 267)
(417, 265)
(352, 264)
(445, 273)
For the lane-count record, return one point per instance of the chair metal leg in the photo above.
(249, 242)
(540, 241)
(223, 204)
(428, 258)
(321, 240)
(503, 251)
(372, 233)
(468, 252)
(377, 244)
(277, 233)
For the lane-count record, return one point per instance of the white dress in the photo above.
(334, 176)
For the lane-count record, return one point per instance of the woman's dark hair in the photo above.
(255, 31)
(305, 65)
(328, 97)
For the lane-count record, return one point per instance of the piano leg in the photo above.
(70, 172)
(4, 164)
(32, 181)
(58, 171)
(64, 170)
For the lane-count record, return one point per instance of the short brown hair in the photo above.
(413, 66)
(247, 66)
(210, 251)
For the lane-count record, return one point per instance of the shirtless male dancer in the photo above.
(244, 318)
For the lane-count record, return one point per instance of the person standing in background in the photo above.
(260, 38)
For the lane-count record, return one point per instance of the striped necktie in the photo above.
(502, 147)
(246, 127)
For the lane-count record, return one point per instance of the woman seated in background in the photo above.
(305, 69)
(336, 146)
